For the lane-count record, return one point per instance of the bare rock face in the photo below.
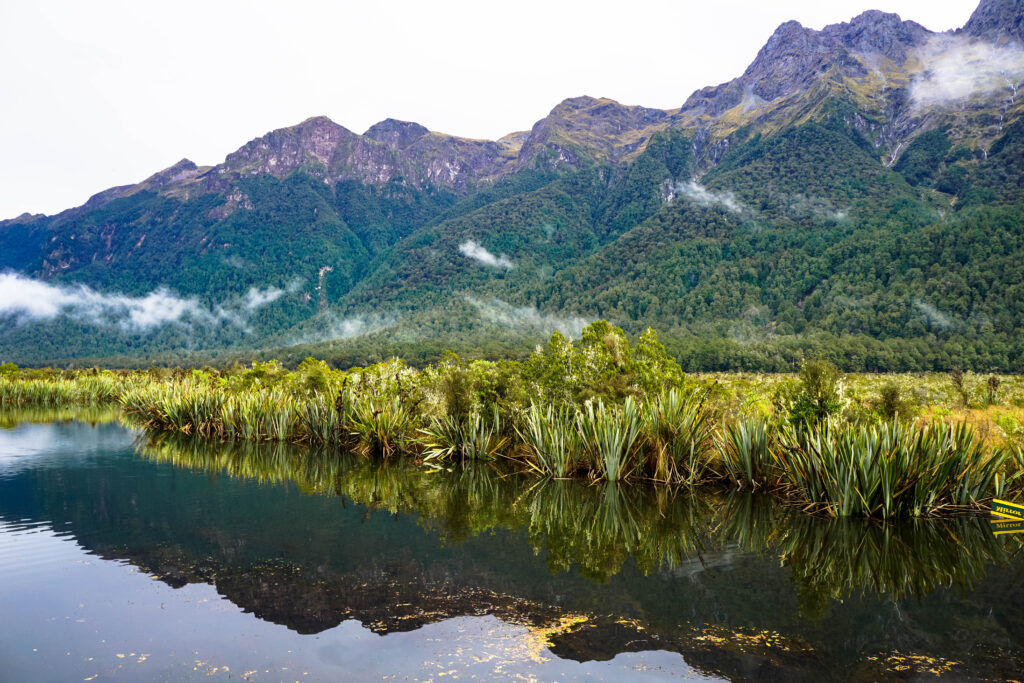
(997, 20)
(396, 134)
(282, 151)
(181, 171)
(794, 58)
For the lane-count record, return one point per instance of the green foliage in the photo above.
(820, 394)
(746, 452)
(891, 403)
(679, 436)
(890, 470)
(553, 442)
(609, 435)
(920, 162)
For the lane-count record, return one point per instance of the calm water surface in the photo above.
(156, 558)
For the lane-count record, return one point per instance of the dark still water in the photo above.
(163, 558)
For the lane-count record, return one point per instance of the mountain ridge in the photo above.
(677, 218)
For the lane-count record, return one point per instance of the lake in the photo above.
(155, 557)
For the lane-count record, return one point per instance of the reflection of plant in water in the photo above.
(832, 559)
(598, 527)
(39, 414)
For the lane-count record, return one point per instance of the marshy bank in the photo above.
(600, 410)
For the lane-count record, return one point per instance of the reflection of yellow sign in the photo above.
(1005, 509)
(1007, 526)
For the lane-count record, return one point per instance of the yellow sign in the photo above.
(1005, 509)
(1007, 526)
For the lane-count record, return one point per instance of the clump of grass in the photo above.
(890, 470)
(609, 436)
(746, 452)
(679, 436)
(472, 437)
(382, 428)
(554, 445)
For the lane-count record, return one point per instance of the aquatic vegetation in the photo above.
(609, 435)
(382, 428)
(553, 444)
(603, 411)
(679, 436)
(472, 437)
(83, 389)
(745, 452)
(889, 470)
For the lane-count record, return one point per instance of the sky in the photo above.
(103, 93)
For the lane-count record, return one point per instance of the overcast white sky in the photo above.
(100, 93)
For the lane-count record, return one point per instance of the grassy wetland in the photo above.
(603, 409)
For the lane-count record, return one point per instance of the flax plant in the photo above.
(679, 436)
(472, 437)
(609, 437)
(745, 452)
(554, 445)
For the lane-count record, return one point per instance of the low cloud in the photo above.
(527, 319)
(957, 68)
(934, 315)
(257, 298)
(329, 326)
(472, 250)
(701, 195)
(27, 300)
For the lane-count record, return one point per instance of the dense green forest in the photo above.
(795, 244)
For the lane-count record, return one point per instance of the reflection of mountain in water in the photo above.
(308, 539)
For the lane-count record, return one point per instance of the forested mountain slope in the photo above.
(858, 193)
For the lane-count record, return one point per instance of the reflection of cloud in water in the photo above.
(488, 648)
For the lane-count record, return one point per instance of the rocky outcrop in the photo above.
(997, 20)
(795, 58)
(396, 134)
(871, 61)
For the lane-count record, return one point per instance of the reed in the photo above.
(82, 390)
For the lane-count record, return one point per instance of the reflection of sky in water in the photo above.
(285, 583)
(46, 445)
(71, 616)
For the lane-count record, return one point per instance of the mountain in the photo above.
(858, 193)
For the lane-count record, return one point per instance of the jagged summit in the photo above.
(872, 62)
(396, 134)
(878, 32)
(997, 20)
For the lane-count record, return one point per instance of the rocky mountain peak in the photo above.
(183, 170)
(997, 20)
(396, 134)
(878, 32)
(787, 60)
